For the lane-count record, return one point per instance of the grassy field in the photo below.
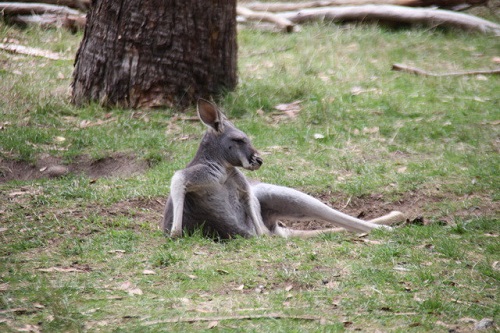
(83, 252)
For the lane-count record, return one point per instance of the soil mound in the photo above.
(117, 165)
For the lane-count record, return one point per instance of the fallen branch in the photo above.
(236, 317)
(286, 21)
(433, 17)
(293, 6)
(282, 23)
(418, 71)
(45, 15)
(17, 8)
(20, 49)
(271, 51)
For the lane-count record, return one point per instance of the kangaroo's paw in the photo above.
(177, 233)
(391, 218)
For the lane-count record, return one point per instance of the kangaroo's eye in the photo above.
(239, 140)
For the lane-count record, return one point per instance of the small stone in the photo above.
(484, 324)
(55, 171)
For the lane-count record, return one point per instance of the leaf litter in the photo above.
(290, 110)
(130, 288)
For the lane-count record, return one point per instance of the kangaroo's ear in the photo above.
(210, 115)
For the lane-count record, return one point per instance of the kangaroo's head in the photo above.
(223, 142)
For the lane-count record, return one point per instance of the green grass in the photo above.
(425, 145)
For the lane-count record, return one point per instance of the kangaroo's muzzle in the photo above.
(255, 162)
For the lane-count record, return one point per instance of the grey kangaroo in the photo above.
(211, 193)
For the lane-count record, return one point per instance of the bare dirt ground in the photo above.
(419, 207)
(47, 166)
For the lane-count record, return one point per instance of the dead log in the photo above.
(282, 23)
(82, 5)
(45, 15)
(54, 15)
(389, 13)
(70, 22)
(418, 71)
(275, 7)
(18, 8)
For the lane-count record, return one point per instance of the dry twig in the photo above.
(235, 317)
(418, 71)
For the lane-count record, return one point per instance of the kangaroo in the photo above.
(211, 193)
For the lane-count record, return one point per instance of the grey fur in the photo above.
(212, 194)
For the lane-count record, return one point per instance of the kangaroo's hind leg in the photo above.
(278, 202)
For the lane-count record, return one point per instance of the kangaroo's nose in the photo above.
(259, 160)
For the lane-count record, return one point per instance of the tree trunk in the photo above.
(154, 53)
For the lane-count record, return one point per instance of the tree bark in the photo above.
(154, 53)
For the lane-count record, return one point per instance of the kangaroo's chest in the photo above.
(228, 192)
(225, 200)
